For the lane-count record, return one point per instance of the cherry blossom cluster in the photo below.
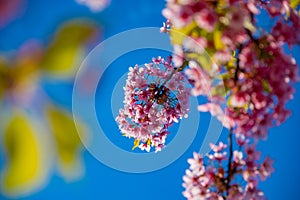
(258, 81)
(249, 70)
(156, 96)
(211, 182)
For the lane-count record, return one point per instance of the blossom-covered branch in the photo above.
(250, 71)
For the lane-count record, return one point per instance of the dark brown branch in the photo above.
(229, 169)
(237, 70)
(251, 37)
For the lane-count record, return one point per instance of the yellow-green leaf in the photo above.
(136, 143)
(218, 40)
(25, 169)
(3, 76)
(218, 90)
(178, 35)
(294, 3)
(202, 59)
(65, 52)
(248, 25)
(148, 142)
(266, 85)
(67, 142)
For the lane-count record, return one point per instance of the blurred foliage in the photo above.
(24, 167)
(294, 3)
(67, 140)
(67, 47)
(21, 72)
(178, 36)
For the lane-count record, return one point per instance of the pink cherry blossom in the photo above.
(166, 27)
(275, 7)
(182, 15)
(216, 111)
(266, 168)
(238, 158)
(238, 17)
(218, 148)
(206, 19)
(178, 55)
(201, 81)
(235, 193)
(95, 5)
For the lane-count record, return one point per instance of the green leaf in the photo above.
(266, 85)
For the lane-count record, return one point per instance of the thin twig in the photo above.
(184, 64)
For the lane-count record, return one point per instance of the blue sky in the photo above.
(101, 182)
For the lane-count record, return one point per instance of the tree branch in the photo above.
(229, 169)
